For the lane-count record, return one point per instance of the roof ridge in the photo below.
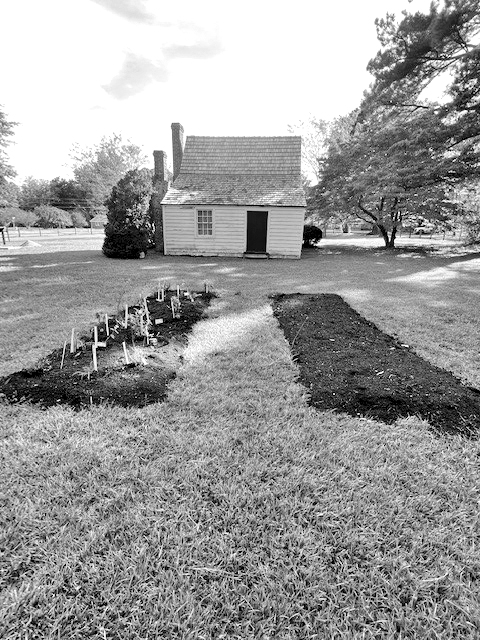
(245, 137)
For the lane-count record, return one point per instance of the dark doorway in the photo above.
(257, 231)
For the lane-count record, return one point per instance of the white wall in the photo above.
(284, 231)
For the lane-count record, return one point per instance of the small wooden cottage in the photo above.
(233, 196)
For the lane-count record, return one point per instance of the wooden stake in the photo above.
(94, 357)
(126, 316)
(173, 307)
(63, 354)
(95, 335)
(142, 330)
(72, 342)
(147, 314)
(107, 328)
(127, 359)
(178, 291)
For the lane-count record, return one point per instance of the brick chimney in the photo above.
(161, 177)
(177, 145)
(160, 163)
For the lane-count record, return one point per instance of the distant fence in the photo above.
(13, 233)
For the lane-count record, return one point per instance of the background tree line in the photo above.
(64, 202)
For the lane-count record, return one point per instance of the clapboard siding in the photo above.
(284, 239)
(228, 231)
(285, 231)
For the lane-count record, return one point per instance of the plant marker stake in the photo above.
(147, 314)
(63, 354)
(95, 335)
(107, 329)
(94, 357)
(127, 359)
(173, 307)
(126, 316)
(72, 342)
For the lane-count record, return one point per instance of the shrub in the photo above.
(52, 217)
(311, 235)
(129, 230)
(22, 218)
(79, 219)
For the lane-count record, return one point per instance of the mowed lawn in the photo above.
(233, 510)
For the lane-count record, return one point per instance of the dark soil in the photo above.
(139, 383)
(348, 364)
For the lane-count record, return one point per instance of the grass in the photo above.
(234, 510)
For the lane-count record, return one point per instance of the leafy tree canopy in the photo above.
(97, 169)
(8, 191)
(394, 167)
(34, 192)
(67, 194)
(52, 217)
(314, 132)
(445, 42)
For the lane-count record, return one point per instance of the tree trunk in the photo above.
(393, 235)
(384, 233)
(389, 241)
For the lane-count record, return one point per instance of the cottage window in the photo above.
(204, 222)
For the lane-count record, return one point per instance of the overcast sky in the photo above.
(75, 70)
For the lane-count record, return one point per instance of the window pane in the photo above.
(204, 222)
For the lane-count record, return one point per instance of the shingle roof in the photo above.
(240, 171)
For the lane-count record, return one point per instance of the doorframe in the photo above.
(267, 211)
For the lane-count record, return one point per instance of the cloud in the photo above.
(131, 9)
(136, 73)
(199, 50)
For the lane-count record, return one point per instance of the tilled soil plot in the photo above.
(141, 382)
(348, 364)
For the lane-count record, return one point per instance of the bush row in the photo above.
(44, 216)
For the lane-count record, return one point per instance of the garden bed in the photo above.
(349, 365)
(128, 364)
